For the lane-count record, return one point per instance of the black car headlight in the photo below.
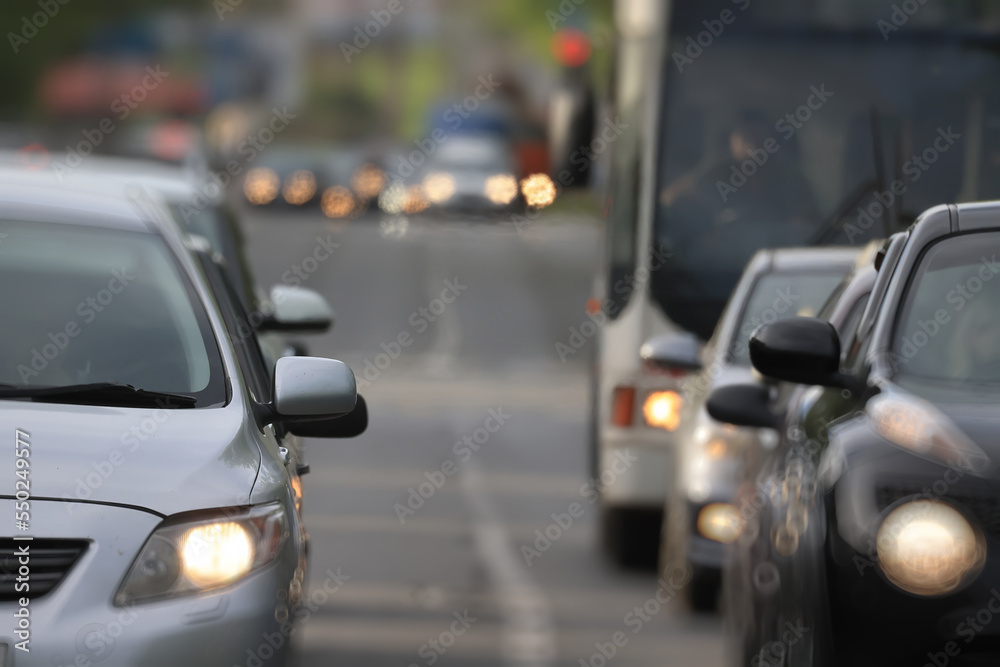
(193, 556)
(927, 547)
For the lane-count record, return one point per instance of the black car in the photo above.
(872, 529)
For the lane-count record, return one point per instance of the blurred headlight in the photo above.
(662, 409)
(501, 189)
(918, 426)
(416, 202)
(367, 181)
(261, 186)
(196, 556)
(393, 198)
(439, 187)
(926, 547)
(719, 522)
(300, 186)
(538, 190)
(337, 202)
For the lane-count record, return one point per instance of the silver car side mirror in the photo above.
(311, 387)
(297, 310)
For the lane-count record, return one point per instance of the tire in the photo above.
(630, 537)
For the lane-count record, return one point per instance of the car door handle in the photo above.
(302, 468)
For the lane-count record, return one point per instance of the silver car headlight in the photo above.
(193, 556)
(927, 547)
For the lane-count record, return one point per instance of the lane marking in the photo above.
(528, 634)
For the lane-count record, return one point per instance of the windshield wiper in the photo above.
(98, 393)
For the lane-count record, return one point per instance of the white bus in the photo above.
(753, 124)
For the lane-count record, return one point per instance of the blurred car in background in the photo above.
(699, 517)
(341, 183)
(874, 523)
(471, 173)
(194, 533)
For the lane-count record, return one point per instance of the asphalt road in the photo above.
(426, 528)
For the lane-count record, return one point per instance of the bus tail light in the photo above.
(622, 406)
(662, 409)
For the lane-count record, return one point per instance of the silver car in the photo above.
(152, 518)
(699, 519)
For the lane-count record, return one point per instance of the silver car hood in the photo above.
(163, 461)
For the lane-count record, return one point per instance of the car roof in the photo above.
(803, 259)
(40, 197)
(174, 183)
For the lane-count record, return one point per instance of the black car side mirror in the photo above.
(743, 405)
(803, 350)
(350, 425)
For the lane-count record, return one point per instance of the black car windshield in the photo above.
(794, 129)
(87, 306)
(776, 296)
(949, 329)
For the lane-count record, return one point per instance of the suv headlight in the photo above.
(188, 556)
(927, 547)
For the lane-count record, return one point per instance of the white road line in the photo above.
(528, 632)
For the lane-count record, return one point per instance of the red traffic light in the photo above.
(571, 47)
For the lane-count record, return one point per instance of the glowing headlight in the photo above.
(719, 522)
(188, 557)
(538, 190)
(392, 200)
(367, 181)
(337, 202)
(439, 187)
(261, 186)
(416, 202)
(928, 548)
(917, 425)
(501, 189)
(662, 409)
(300, 186)
(216, 554)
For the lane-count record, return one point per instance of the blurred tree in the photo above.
(38, 33)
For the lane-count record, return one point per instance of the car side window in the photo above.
(256, 370)
(850, 328)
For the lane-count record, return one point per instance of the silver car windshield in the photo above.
(86, 306)
(949, 330)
